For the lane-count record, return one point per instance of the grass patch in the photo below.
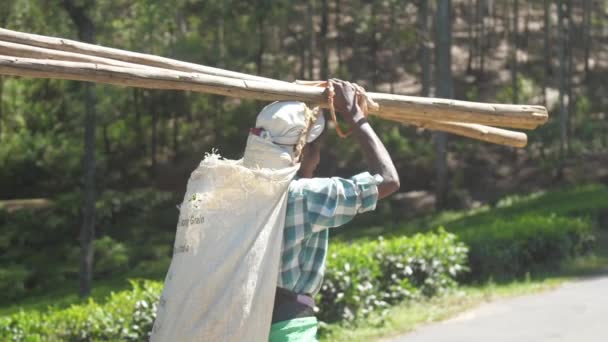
(579, 201)
(66, 296)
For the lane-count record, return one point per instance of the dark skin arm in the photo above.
(377, 157)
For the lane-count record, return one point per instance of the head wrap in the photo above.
(285, 121)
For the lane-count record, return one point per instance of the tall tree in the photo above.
(153, 107)
(547, 48)
(527, 25)
(393, 59)
(514, 47)
(78, 12)
(587, 32)
(562, 24)
(311, 34)
(3, 20)
(481, 45)
(1, 102)
(323, 39)
(220, 41)
(261, 12)
(570, 32)
(471, 34)
(338, 26)
(444, 90)
(372, 64)
(424, 43)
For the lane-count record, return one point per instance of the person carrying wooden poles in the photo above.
(316, 204)
(252, 236)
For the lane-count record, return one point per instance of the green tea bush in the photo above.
(110, 256)
(12, 280)
(39, 248)
(360, 278)
(366, 276)
(125, 316)
(515, 246)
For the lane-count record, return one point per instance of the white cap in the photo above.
(284, 122)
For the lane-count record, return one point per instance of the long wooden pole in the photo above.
(480, 132)
(166, 79)
(29, 51)
(22, 50)
(517, 116)
(118, 54)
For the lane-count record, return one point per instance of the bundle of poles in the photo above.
(30, 55)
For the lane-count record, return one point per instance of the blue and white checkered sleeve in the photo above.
(332, 202)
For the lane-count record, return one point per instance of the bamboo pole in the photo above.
(396, 105)
(27, 51)
(517, 116)
(479, 132)
(158, 79)
(484, 133)
(472, 131)
(520, 116)
(166, 79)
(118, 54)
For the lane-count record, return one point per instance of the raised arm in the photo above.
(377, 157)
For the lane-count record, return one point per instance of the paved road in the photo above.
(574, 312)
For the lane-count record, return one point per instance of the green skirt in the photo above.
(294, 330)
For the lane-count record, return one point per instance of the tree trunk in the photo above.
(1, 103)
(162, 130)
(310, 9)
(260, 23)
(323, 40)
(218, 107)
(526, 26)
(154, 141)
(302, 73)
(220, 41)
(4, 15)
(373, 46)
(338, 25)
(175, 137)
(547, 48)
(107, 145)
(471, 36)
(482, 33)
(139, 137)
(587, 33)
(562, 38)
(514, 47)
(178, 109)
(425, 55)
(393, 58)
(444, 90)
(505, 18)
(569, 73)
(86, 33)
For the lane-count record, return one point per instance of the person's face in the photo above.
(311, 155)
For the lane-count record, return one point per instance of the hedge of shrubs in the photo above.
(366, 276)
(506, 248)
(124, 316)
(39, 249)
(360, 278)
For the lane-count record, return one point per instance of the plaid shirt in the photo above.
(313, 205)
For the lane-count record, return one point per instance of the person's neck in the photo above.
(305, 174)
